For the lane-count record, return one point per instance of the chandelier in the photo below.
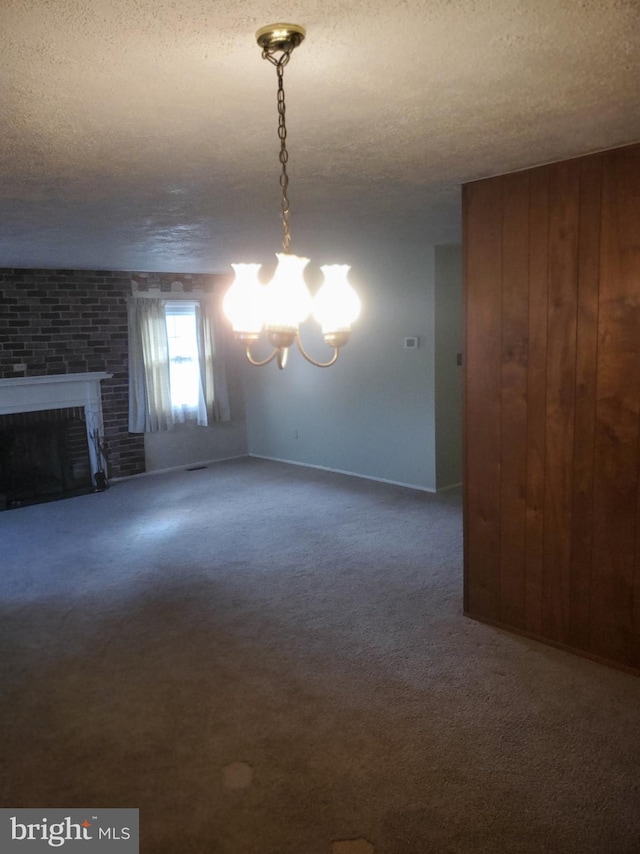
(284, 303)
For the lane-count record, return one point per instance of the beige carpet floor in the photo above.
(267, 659)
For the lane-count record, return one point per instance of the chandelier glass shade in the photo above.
(243, 302)
(287, 301)
(336, 305)
(279, 307)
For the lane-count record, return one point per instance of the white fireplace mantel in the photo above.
(59, 391)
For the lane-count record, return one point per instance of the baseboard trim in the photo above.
(348, 473)
(451, 486)
(598, 659)
(179, 468)
(287, 462)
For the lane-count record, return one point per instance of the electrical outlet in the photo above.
(295, 434)
(21, 367)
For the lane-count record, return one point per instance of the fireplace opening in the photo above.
(44, 456)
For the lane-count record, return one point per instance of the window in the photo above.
(176, 373)
(184, 363)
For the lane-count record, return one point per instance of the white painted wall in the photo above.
(372, 414)
(382, 411)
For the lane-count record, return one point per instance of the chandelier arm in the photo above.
(332, 360)
(258, 363)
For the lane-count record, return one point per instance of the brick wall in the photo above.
(72, 321)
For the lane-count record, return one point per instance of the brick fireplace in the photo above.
(51, 437)
(64, 322)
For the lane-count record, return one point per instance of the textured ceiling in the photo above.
(141, 134)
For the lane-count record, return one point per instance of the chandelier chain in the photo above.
(280, 62)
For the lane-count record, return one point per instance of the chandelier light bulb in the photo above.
(287, 298)
(244, 301)
(336, 305)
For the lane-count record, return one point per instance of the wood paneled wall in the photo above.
(552, 403)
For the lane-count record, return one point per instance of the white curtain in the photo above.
(213, 368)
(150, 405)
(149, 389)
